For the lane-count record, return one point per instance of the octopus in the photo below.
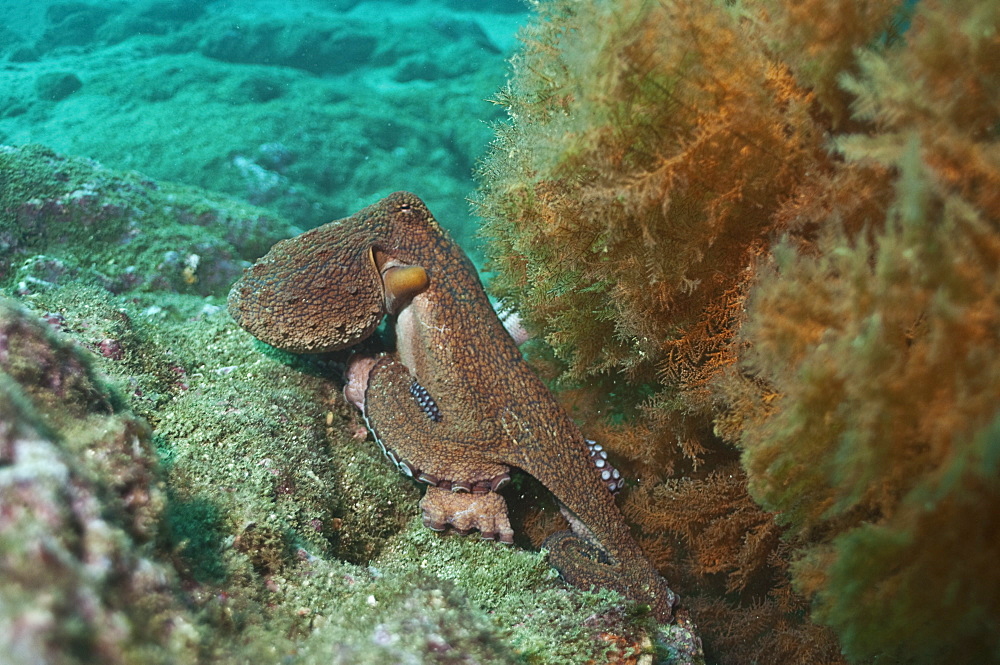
(455, 406)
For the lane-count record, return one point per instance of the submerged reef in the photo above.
(757, 245)
(173, 492)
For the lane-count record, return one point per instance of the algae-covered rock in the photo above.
(54, 86)
(184, 494)
(79, 498)
(319, 46)
(72, 24)
(137, 234)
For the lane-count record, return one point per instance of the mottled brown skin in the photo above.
(322, 291)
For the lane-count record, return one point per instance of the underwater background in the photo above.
(757, 246)
(311, 109)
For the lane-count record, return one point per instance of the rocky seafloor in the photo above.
(172, 491)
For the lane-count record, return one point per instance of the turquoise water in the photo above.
(312, 109)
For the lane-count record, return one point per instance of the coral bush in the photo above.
(882, 349)
(882, 353)
(769, 230)
(651, 149)
(629, 200)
